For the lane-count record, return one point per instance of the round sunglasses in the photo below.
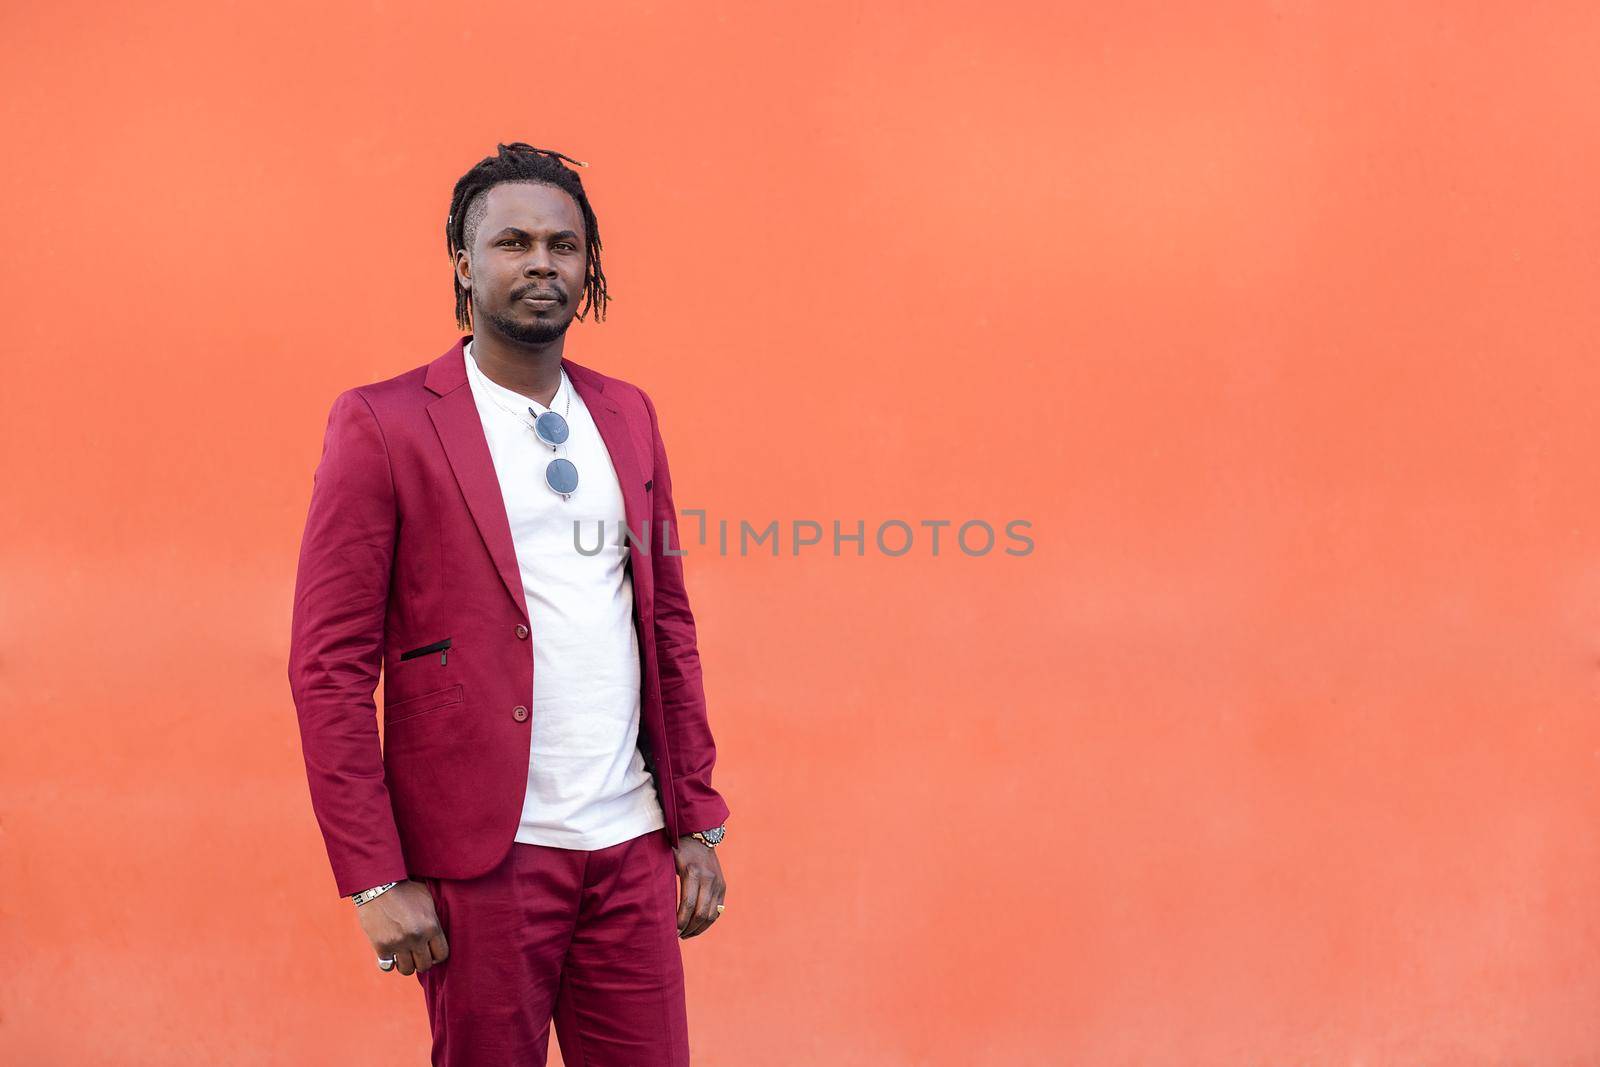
(561, 475)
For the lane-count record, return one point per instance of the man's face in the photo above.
(529, 244)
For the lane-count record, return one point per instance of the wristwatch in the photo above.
(367, 894)
(711, 837)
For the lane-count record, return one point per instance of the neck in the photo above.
(532, 370)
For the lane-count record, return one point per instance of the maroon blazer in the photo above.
(407, 564)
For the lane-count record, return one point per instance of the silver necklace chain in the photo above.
(566, 415)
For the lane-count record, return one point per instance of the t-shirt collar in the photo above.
(516, 400)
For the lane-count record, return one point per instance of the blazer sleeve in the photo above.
(336, 646)
(700, 807)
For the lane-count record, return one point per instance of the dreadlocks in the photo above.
(519, 162)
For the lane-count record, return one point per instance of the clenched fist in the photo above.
(402, 923)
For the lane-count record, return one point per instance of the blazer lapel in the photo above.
(618, 438)
(455, 418)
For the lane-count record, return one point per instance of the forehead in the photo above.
(530, 206)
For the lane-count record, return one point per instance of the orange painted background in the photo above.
(1276, 321)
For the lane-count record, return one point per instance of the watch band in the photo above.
(369, 894)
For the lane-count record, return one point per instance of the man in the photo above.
(535, 834)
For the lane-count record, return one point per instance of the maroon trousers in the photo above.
(588, 938)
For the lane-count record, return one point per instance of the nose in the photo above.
(539, 263)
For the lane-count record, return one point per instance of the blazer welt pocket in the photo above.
(411, 707)
(437, 646)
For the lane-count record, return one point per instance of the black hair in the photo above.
(519, 162)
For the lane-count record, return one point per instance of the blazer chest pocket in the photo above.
(438, 646)
(411, 707)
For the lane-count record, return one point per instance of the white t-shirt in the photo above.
(588, 787)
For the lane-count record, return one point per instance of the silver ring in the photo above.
(385, 963)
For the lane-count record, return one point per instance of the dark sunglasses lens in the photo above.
(551, 428)
(561, 475)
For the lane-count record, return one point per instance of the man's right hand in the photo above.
(402, 923)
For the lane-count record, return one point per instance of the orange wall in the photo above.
(1277, 321)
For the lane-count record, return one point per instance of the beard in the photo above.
(537, 332)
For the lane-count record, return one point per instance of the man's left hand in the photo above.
(701, 885)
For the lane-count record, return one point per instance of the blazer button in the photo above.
(519, 713)
(522, 632)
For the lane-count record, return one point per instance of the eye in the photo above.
(511, 241)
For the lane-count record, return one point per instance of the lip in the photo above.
(542, 299)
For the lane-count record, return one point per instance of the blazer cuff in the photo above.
(353, 878)
(700, 814)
